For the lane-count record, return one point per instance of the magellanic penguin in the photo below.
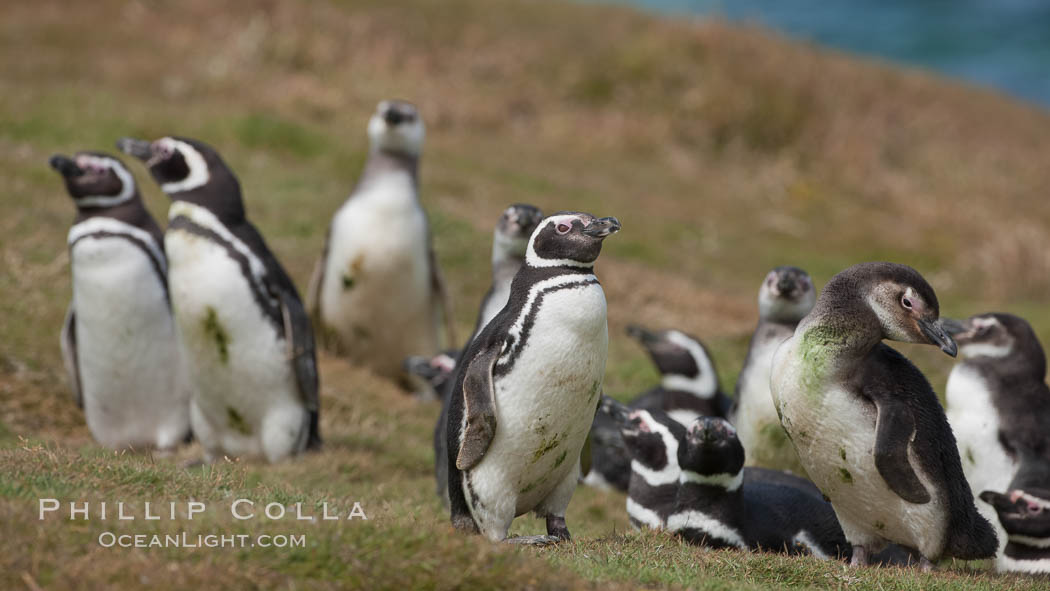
(244, 333)
(377, 295)
(528, 385)
(998, 403)
(866, 424)
(688, 389)
(1025, 515)
(651, 439)
(715, 507)
(509, 241)
(786, 296)
(118, 341)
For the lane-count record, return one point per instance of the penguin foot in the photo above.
(926, 566)
(556, 527)
(860, 557)
(465, 524)
(538, 541)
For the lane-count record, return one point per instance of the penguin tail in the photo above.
(973, 541)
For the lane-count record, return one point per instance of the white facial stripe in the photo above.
(126, 180)
(984, 350)
(198, 175)
(707, 524)
(643, 514)
(1006, 563)
(1038, 502)
(533, 260)
(1030, 541)
(803, 538)
(730, 482)
(405, 137)
(670, 472)
(534, 292)
(984, 322)
(704, 385)
(206, 219)
(104, 224)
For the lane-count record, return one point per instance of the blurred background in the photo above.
(913, 132)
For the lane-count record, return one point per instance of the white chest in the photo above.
(757, 423)
(833, 431)
(545, 404)
(975, 422)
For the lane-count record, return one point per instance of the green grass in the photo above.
(723, 151)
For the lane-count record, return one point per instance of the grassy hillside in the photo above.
(724, 152)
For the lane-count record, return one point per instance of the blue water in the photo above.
(1004, 44)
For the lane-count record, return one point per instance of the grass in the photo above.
(724, 151)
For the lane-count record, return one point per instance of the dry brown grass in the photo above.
(724, 151)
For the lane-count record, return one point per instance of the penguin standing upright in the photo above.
(866, 424)
(528, 385)
(377, 294)
(244, 334)
(786, 296)
(688, 389)
(118, 341)
(998, 403)
(509, 241)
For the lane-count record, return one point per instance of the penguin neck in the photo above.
(840, 329)
(703, 386)
(708, 494)
(223, 201)
(383, 162)
(132, 212)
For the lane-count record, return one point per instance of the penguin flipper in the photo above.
(480, 408)
(69, 354)
(301, 352)
(894, 429)
(437, 283)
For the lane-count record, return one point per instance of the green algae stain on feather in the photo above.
(215, 331)
(546, 446)
(561, 458)
(969, 456)
(845, 476)
(235, 421)
(774, 435)
(842, 453)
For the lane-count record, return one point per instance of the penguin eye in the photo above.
(906, 302)
(563, 228)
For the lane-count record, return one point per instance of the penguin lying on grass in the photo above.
(244, 334)
(118, 341)
(716, 508)
(688, 389)
(1025, 515)
(866, 424)
(528, 385)
(786, 296)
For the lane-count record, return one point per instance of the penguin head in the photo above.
(651, 438)
(188, 169)
(902, 302)
(397, 127)
(95, 179)
(512, 233)
(787, 295)
(711, 447)
(1022, 513)
(997, 336)
(683, 361)
(569, 239)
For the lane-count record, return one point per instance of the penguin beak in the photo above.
(601, 228)
(641, 335)
(937, 335)
(141, 149)
(954, 327)
(65, 166)
(615, 409)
